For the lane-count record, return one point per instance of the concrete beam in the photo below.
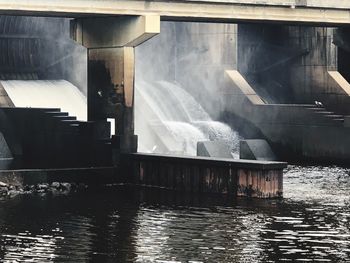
(123, 31)
(301, 12)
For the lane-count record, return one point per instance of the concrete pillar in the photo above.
(110, 43)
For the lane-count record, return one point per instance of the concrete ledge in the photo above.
(300, 13)
(241, 164)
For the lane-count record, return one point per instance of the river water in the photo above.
(118, 224)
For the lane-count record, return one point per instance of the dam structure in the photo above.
(200, 71)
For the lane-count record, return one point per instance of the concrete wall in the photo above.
(264, 60)
(40, 48)
(156, 58)
(294, 64)
(195, 55)
(204, 52)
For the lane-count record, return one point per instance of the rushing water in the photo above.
(311, 224)
(170, 120)
(47, 94)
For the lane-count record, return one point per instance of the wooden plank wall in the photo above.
(197, 176)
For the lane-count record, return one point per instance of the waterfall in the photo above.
(47, 94)
(170, 120)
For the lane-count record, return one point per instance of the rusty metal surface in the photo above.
(205, 175)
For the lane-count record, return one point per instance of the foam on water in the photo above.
(47, 94)
(166, 112)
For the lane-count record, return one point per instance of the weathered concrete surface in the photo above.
(5, 152)
(296, 132)
(260, 179)
(123, 31)
(216, 149)
(297, 64)
(5, 100)
(256, 149)
(231, 11)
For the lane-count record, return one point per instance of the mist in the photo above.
(180, 79)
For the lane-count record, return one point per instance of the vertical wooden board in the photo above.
(155, 167)
(200, 179)
(212, 180)
(153, 173)
(149, 173)
(188, 178)
(221, 185)
(218, 179)
(280, 181)
(253, 184)
(177, 174)
(170, 182)
(275, 184)
(162, 174)
(142, 173)
(230, 181)
(195, 179)
(265, 191)
(206, 178)
(184, 177)
(272, 182)
(135, 172)
(216, 171)
(159, 168)
(234, 181)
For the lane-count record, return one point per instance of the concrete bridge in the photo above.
(321, 12)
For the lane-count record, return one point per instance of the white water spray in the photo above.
(170, 120)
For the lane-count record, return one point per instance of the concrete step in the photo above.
(316, 108)
(335, 116)
(64, 118)
(324, 112)
(71, 122)
(57, 113)
(31, 109)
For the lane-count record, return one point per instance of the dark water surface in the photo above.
(311, 224)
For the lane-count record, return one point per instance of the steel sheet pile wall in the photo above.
(205, 175)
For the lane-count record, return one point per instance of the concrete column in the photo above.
(110, 43)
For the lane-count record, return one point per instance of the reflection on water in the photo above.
(128, 225)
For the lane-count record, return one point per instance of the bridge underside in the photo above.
(318, 12)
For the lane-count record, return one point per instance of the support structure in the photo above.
(317, 12)
(110, 43)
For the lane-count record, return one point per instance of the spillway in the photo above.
(170, 120)
(47, 94)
